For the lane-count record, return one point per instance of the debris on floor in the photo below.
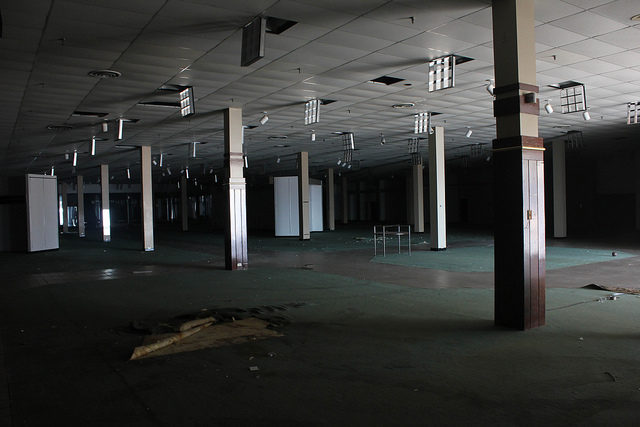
(619, 290)
(209, 328)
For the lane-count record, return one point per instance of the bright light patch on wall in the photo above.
(106, 222)
(186, 102)
(442, 73)
(312, 112)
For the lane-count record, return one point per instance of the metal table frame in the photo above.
(391, 230)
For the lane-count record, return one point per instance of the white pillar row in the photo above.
(437, 202)
(417, 197)
(146, 198)
(80, 192)
(559, 189)
(106, 215)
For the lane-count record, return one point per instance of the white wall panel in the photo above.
(42, 212)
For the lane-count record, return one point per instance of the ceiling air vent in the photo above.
(105, 74)
(404, 105)
(386, 80)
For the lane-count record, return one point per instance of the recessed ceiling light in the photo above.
(105, 74)
(404, 105)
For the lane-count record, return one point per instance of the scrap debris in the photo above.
(209, 328)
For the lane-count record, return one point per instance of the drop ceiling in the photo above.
(48, 47)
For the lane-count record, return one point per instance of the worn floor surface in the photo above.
(367, 343)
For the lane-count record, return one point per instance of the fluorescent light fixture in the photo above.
(178, 185)
(169, 171)
(313, 135)
(211, 171)
(351, 141)
(154, 162)
(442, 73)
(278, 160)
(246, 162)
(53, 170)
(469, 132)
(105, 127)
(265, 118)
(490, 87)
(186, 172)
(586, 115)
(215, 178)
(339, 162)
(632, 113)
(128, 174)
(349, 167)
(75, 158)
(93, 146)
(161, 158)
(548, 107)
(120, 129)
(186, 102)
(421, 122)
(66, 156)
(312, 111)
(193, 149)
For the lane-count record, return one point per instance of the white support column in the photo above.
(235, 186)
(65, 208)
(559, 189)
(345, 200)
(106, 215)
(146, 198)
(81, 227)
(437, 203)
(331, 198)
(304, 216)
(184, 203)
(417, 197)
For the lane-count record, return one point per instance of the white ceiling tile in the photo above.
(624, 59)
(619, 10)
(552, 35)
(465, 31)
(592, 48)
(588, 24)
(628, 38)
(550, 10)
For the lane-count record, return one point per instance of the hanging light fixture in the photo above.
(53, 170)
(128, 174)
(586, 115)
(75, 158)
(193, 149)
(186, 172)
(105, 127)
(548, 107)
(264, 119)
(469, 132)
(278, 160)
(169, 171)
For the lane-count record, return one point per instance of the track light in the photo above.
(154, 162)
(120, 129)
(128, 174)
(469, 132)
(313, 135)
(339, 162)
(53, 170)
(278, 160)
(349, 167)
(161, 159)
(75, 158)
(93, 146)
(169, 171)
(264, 118)
(586, 115)
(186, 172)
(548, 107)
(382, 140)
(490, 87)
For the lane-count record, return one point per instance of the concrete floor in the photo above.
(372, 344)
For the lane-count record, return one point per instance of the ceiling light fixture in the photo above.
(105, 127)
(53, 170)
(313, 135)
(154, 162)
(187, 107)
(169, 171)
(246, 162)
(382, 140)
(120, 129)
(186, 172)
(75, 158)
(548, 107)
(311, 111)
(469, 132)
(278, 160)
(265, 118)
(128, 174)
(193, 149)
(490, 86)
(104, 74)
(161, 159)
(93, 146)
(586, 115)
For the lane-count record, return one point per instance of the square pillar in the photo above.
(331, 199)
(437, 196)
(146, 198)
(65, 208)
(81, 225)
(104, 203)
(417, 198)
(345, 200)
(184, 203)
(559, 189)
(519, 170)
(304, 216)
(235, 191)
